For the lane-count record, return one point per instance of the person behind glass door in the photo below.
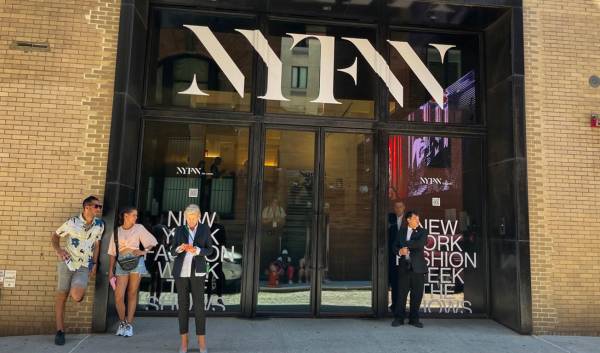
(190, 246)
(129, 236)
(214, 168)
(410, 244)
(273, 219)
(288, 268)
(395, 220)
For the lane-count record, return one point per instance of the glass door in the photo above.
(316, 238)
(346, 237)
(287, 223)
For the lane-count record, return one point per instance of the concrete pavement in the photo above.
(231, 335)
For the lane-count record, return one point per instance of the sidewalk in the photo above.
(313, 335)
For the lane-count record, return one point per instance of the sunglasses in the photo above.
(97, 206)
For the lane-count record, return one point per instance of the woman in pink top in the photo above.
(129, 236)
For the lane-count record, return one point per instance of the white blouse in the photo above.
(186, 268)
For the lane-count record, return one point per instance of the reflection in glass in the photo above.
(302, 70)
(287, 221)
(206, 165)
(299, 77)
(440, 177)
(457, 74)
(347, 242)
(179, 56)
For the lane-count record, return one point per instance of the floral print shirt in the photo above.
(80, 240)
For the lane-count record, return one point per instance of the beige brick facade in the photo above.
(55, 113)
(562, 50)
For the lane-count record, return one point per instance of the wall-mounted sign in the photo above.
(326, 67)
(595, 120)
(10, 278)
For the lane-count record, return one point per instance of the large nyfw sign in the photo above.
(327, 68)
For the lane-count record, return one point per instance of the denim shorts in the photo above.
(68, 279)
(140, 269)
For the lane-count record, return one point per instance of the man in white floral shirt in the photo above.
(78, 259)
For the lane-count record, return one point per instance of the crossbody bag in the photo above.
(127, 264)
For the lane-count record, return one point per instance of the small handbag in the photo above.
(127, 264)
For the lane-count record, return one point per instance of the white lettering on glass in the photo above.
(327, 67)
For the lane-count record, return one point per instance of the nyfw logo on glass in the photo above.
(192, 171)
(435, 181)
(327, 67)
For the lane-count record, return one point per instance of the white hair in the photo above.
(192, 208)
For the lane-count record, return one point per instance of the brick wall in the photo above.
(55, 112)
(562, 50)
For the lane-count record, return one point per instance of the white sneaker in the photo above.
(128, 331)
(121, 329)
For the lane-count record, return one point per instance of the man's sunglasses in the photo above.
(97, 206)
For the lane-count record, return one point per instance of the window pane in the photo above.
(287, 222)
(202, 164)
(347, 241)
(179, 55)
(457, 74)
(440, 178)
(356, 100)
(303, 77)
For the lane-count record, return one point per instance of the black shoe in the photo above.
(416, 324)
(392, 308)
(397, 322)
(59, 339)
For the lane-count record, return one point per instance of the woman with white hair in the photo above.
(191, 244)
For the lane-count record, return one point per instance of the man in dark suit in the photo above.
(409, 245)
(395, 221)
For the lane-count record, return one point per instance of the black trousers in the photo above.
(409, 281)
(195, 286)
(393, 280)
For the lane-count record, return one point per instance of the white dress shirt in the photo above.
(186, 268)
(408, 234)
